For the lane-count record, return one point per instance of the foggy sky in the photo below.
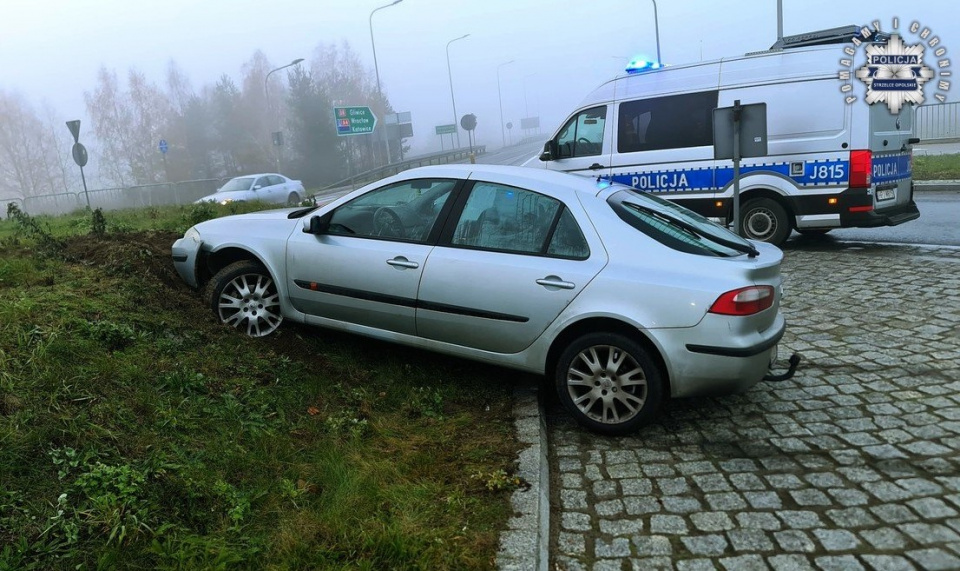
(50, 50)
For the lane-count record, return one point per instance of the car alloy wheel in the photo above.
(243, 295)
(293, 199)
(609, 383)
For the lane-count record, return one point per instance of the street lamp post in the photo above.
(456, 125)
(266, 97)
(374, 45)
(656, 29)
(376, 67)
(500, 99)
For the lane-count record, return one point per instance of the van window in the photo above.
(673, 122)
(582, 136)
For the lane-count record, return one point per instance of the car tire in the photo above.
(609, 383)
(244, 296)
(293, 199)
(764, 220)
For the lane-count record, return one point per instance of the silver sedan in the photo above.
(265, 187)
(620, 298)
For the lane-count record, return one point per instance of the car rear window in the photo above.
(676, 226)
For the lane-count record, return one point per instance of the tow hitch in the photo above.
(794, 361)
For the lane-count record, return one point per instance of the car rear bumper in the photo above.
(702, 369)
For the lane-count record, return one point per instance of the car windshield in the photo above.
(677, 226)
(242, 183)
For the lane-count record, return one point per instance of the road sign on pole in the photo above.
(354, 120)
(79, 154)
(163, 146)
(74, 127)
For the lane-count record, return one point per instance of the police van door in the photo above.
(892, 158)
(665, 145)
(582, 145)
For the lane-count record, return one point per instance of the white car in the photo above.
(265, 187)
(621, 298)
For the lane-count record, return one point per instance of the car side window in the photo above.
(567, 240)
(404, 211)
(582, 136)
(673, 122)
(274, 179)
(261, 182)
(508, 219)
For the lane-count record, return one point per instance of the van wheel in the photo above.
(764, 220)
(609, 383)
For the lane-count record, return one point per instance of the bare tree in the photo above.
(29, 161)
(113, 124)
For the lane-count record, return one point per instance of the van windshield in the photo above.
(676, 226)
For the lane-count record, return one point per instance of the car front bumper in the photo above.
(186, 256)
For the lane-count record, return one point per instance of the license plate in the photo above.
(885, 194)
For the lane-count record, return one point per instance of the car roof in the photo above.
(523, 177)
(255, 174)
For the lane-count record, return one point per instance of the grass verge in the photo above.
(137, 433)
(936, 167)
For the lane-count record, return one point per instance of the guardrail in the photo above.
(138, 196)
(938, 123)
(186, 192)
(441, 158)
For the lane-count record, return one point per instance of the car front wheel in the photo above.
(609, 383)
(244, 296)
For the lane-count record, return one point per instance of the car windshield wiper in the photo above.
(744, 247)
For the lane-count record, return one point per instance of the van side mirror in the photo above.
(549, 151)
(317, 225)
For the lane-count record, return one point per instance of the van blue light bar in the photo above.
(640, 66)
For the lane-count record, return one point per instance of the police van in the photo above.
(830, 164)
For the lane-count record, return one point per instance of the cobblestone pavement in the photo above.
(853, 464)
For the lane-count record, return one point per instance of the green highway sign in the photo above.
(446, 129)
(354, 120)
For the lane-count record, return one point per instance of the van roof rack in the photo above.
(841, 35)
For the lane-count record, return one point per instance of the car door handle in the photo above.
(596, 166)
(554, 281)
(401, 262)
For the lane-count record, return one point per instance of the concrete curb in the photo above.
(525, 545)
(937, 185)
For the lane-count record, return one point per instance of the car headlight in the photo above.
(192, 233)
(226, 201)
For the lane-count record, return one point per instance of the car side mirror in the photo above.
(317, 225)
(257, 187)
(549, 151)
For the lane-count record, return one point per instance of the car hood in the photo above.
(231, 196)
(264, 223)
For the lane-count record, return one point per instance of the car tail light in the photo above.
(744, 301)
(861, 165)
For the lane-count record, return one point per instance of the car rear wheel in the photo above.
(765, 220)
(609, 383)
(293, 199)
(244, 296)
